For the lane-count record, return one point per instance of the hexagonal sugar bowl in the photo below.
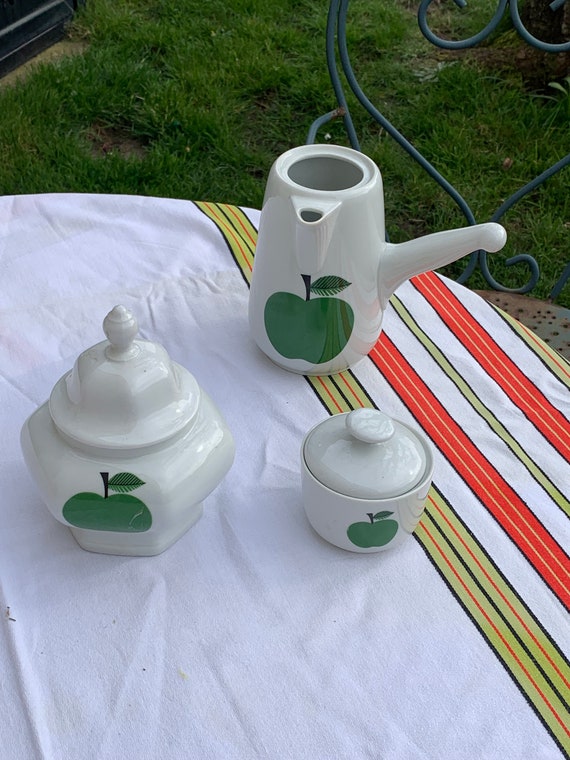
(128, 446)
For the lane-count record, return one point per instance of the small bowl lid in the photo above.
(365, 454)
(123, 392)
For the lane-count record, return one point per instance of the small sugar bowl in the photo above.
(365, 479)
(128, 445)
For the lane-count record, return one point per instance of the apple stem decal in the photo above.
(120, 512)
(313, 329)
(307, 281)
(105, 477)
(379, 531)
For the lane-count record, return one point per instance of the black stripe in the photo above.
(231, 220)
(507, 389)
(225, 237)
(474, 407)
(429, 556)
(484, 505)
(355, 381)
(491, 647)
(341, 391)
(499, 572)
(533, 348)
(503, 617)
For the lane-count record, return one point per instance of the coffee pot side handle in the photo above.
(400, 261)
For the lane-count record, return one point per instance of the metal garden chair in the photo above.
(550, 321)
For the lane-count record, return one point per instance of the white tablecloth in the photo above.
(251, 637)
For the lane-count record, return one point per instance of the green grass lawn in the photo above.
(195, 100)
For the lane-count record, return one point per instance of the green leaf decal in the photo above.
(329, 285)
(382, 515)
(123, 482)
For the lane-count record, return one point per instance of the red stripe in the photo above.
(329, 394)
(497, 364)
(498, 590)
(232, 211)
(500, 636)
(538, 546)
(229, 233)
(343, 378)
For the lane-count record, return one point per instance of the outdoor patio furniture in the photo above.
(550, 321)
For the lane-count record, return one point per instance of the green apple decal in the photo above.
(120, 512)
(314, 329)
(379, 531)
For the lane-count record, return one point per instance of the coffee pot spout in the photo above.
(401, 261)
(315, 223)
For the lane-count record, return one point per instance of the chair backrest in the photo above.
(338, 57)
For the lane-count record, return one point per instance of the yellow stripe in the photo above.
(558, 365)
(541, 671)
(514, 611)
(235, 227)
(556, 495)
(537, 665)
(242, 224)
(340, 393)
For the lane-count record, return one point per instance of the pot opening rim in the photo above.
(326, 173)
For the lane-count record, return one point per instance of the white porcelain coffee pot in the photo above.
(323, 271)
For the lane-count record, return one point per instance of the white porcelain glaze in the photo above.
(128, 446)
(123, 392)
(365, 495)
(365, 454)
(322, 271)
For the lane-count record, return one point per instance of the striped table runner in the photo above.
(514, 505)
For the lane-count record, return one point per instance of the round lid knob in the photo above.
(124, 392)
(365, 454)
(370, 425)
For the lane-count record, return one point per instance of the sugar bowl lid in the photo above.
(124, 392)
(365, 454)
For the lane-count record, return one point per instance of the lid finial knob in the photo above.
(370, 425)
(121, 328)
